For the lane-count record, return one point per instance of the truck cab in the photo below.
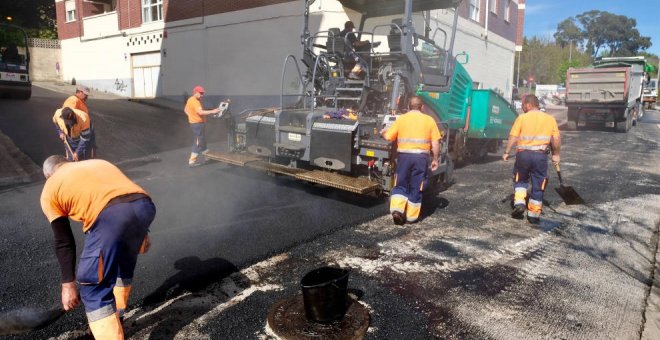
(650, 94)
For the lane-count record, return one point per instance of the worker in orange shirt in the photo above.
(533, 133)
(115, 215)
(197, 119)
(79, 99)
(418, 139)
(79, 102)
(74, 128)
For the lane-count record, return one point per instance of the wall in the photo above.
(240, 54)
(44, 55)
(490, 60)
(102, 71)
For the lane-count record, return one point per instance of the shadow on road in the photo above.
(198, 287)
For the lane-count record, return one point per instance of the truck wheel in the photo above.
(25, 95)
(622, 126)
(571, 125)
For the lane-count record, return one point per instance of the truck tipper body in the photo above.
(607, 94)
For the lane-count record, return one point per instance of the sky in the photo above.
(543, 16)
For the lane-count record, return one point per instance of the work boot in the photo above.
(518, 211)
(197, 163)
(533, 220)
(397, 217)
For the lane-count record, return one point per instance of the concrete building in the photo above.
(161, 48)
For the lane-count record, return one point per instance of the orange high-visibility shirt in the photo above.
(82, 189)
(414, 132)
(193, 106)
(82, 123)
(76, 103)
(534, 130)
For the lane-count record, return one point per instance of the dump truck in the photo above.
(14, 63)
(608, 94)
(327, 132)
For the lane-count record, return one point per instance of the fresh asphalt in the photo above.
(228, 243)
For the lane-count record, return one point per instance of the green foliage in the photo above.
(568, 33)
(36, 16)
(546, 61)
(603, 34)
(42, 33)
(563, 67)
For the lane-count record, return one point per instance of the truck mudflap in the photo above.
(357, 185)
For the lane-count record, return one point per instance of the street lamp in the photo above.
(9, 18)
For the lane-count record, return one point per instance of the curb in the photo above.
(17, 166)
(651, 327)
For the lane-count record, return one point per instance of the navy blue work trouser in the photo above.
(411, 176)
(530, 166)
(110, 253)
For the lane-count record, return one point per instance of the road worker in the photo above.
(532, 133)
(354, 47)
(115, 215)
(197, 119)
(75, 130)
(79, 99)
(418, 139)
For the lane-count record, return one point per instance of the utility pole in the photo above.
(570, 52)
(518, 72)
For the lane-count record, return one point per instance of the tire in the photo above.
(26, 95)
(571, 125)
(622, 126)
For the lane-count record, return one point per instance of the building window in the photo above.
(507, 10)
(474, 9)
(493, 6)
(152, 10)
(70, 9)
(71, 15)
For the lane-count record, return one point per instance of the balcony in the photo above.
(101, 25)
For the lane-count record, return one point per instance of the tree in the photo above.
(546, 61)
(615, 34)
(568, 32)
(36, 16)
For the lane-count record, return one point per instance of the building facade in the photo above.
(162, 48)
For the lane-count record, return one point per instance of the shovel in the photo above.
(28, 319)
(68, 147)
(567, 193)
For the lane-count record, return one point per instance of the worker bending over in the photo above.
(115, 215)
(533, 133)
(74, 128)
(418, 139)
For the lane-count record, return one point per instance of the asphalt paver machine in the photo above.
(328, 132)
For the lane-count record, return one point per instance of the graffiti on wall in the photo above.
(120, 85)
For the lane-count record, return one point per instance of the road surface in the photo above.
(230, 243)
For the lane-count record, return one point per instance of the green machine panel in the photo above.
(491, 116)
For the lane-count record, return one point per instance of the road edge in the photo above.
(651, 326)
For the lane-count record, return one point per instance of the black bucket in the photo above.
(324, 294)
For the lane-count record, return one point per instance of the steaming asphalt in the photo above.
(243, 240)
